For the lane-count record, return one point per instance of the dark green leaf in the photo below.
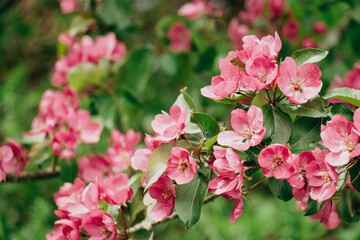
(309, 55)
(229, 100)
(189, 199)
(346, 94)
(209, 126)
(346, 209)
(280, 188)
(304, 132)
(259, 99)
(115, 13)
(355, 176)
(313, 207)
(188, 100)
(158, 162)
(343, 109)
(84, 75)
(277, 123)
(69, 170)
(313, 108)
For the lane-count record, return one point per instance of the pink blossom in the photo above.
(320, 27)
(94, 167)
(140, 159)
(64, 144)
(168, 127)
(291, 30)
(254, 9)
(260, 72)
(181, 166)
(276, 7)
(221, 185)
(69, 194)
(67, 6)
(249, 130)
(18, 159)
(299, 84)
(227, 163)
(122, 148)
(192, 10)
(321, 176)
(6, 156)
(226, 83)
(100, 226)
(267, 46)
(342, 141)
(302, 197)
(114, 189)
(79, 123)
(276, 161)
(236, 32)
(180, 37)
(66, 39)
(164, 192)
(300, 162)
(88, 201)
(236, 196)
(309, 42)
(328, 215)
(65, 230)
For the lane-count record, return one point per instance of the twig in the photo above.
(46, 174)
(149, 226)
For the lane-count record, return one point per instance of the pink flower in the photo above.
(64, 144)
(328, 215)
(320, 27)
(79, 122)
(299, 84)
(65, 229)
(221, 185)
(340, 138)
(94, 167)
(276, 161)
(291, 30)
(267, 46)
(227, 163)
(276, 7)
(88, 201)
(168, 127)
(69, 194)
(18, 159)
(100, 226)
(260, 72)
(66, 39)
(300, 162)
(67, 6)
(236, 32)
(321, 177)
(140, 159)
(181, 166)
(309, 42)
(249, 130)
(254, 8)
(114, 189)
(192, 10)
(226, 83)
(236, 196)
(180, 37)
(164, 192)
(302, 197)
(6, 156)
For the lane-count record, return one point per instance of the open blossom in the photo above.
(100, 226)
(260, 72)
(65, 229)
(68, 194)
(168, 127)
(193, 10)
(236, 32)
(276, 161)
(181, 166)
(67, 6)
(226, 83)
(328, 215)
(141, 156)
(342, 141)
(13, 158)
(321, 176)
(6, 155)
(79, 123)
(254, 9)
(249, 130)
(300, 162)
(299, 84)
(114, 189)
(236, 196)
(164, 192)
(94, 167)
(180, 37)
(64, 144)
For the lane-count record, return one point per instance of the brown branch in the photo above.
(148, 226)
(45, 174)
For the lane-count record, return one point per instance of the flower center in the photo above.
(297, 85)
(106, 232)
(167, 193)
(302, 171)
(344, 134)
(183, 165)
(261, 77)
(247, 133)
(350, 146)
(325, 176)
(278, 160)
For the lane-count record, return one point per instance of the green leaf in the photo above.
(158, 162)
(355, 176)
(313, 108)
(84, 75)
(208, 124)
(188, 100)
(343, 109)
(346, 207)
(209, 143)
(115, 13)
(32, 139)
(231, 100)
(189, 199)
(259, 99)
(277, 123)
(346, 94)
(313, 207)
(309, 55)
(80, 24)
(280, 188)
(304, 132)
(69, 170)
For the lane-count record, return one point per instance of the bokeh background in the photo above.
(29, 49)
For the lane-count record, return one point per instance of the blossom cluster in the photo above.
(13, 158)
(87, 50)
(254, 68)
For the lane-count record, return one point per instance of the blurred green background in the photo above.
(28, 50)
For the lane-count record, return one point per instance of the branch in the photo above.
(148, 226)
(45, 174)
